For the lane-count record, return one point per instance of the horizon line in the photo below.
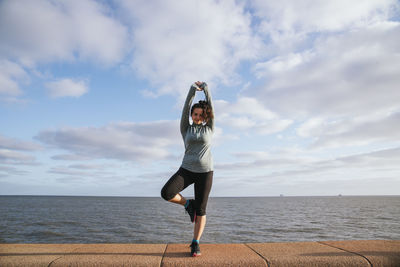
(281, 195)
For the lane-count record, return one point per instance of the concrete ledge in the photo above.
(377, 252)
(328, 253)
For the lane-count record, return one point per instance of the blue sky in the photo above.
(306, 95)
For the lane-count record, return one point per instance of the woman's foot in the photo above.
(195, 249)
(190, 210)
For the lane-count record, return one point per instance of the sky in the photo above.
(306, 95)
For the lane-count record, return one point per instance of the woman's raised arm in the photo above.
(186, 108)
(207, 93)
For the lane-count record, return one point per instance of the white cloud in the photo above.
(69, 157)
(281, 64)
(287, 23)
(87, 166)
(316, 16)
(83, 170)
(352, 131)
(250, 115)
(6, 171)
(8, 156)
(47, 31)
(67, 87)
(312, 127)
(220, 137)
(10, 75)
(357, 166)
(338, 72)
(259, 164)
(252, 154)
(292, 168)
(15, 144)
(349, 74)
(268, 160)
(138, 142)
(69, 172)
(44, 31)
(176, 43)
(11, 157)
(382, 158)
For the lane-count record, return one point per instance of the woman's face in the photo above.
(197, 116)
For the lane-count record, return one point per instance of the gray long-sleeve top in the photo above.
(197, 138)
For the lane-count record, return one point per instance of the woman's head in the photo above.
(201, 112)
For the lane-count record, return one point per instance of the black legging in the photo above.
(182, 179)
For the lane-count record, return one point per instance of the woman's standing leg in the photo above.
(199, 227)
(202, 188)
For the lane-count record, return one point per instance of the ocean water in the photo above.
(60, 219)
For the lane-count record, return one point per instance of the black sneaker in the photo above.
(191, 211)
(195, 249)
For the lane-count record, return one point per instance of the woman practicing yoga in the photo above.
(197, 163)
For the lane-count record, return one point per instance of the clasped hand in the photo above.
(198, 83)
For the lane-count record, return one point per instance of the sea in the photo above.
(82, 219)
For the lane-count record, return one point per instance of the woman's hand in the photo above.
(198, 83)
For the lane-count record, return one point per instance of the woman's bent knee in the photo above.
(165, 195)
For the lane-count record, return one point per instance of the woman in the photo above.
(197, 163)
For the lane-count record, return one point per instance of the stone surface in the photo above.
(378, 252)
(327, 253)
(212, 255)
(32, 254)
(306, 254)
(114, 255)
(82, 255)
